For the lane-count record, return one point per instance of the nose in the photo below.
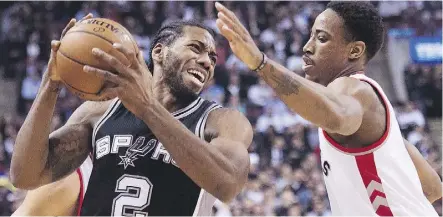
(205, 61)
(309, 47)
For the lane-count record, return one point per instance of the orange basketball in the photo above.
(76, 51)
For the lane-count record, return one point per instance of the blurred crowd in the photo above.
(285, 176)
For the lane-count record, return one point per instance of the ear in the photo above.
(157, 53)
(358, 49)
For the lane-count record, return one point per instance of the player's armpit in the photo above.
(233, 138)
(429, 179)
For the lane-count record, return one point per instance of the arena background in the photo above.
(285, 176)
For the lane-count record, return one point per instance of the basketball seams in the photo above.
(76, 61)
(78, 89)
(91, 33)
(75, 50)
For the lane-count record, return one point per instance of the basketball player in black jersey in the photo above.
(157, 148)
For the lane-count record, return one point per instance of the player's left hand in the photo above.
(131, 84)
(240, 41)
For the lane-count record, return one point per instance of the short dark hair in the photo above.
(362, 23)
(169, 32)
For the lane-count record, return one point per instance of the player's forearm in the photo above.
(429, 179)
(31, 145)
(310, 100)
(203, 163)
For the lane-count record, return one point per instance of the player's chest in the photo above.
(129, 143)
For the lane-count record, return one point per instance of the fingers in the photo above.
(229, 15)
(129, 54)
(228, 22)
(55, 45)
(70, 25)
(108, 93)
(110, 60)
(105, 75)
(223, 9)
(89, 16)
(226, 31)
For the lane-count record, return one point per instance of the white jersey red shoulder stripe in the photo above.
(379, 179)
(84, 173)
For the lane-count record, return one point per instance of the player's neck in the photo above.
(350, 70)
(166, 99)
(170, 101)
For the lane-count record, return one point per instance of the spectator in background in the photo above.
(214, 92)
(30, 86)
(260, 94)
(234, 102)
(410, 116)
(87, 7)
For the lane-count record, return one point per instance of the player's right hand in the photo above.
(51, 76)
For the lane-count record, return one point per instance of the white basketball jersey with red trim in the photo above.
(84, 173)
(380, 179)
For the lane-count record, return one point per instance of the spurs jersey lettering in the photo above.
(134, 175)
(380, 179)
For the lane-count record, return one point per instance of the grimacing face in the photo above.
(326, 54)
(188, 63)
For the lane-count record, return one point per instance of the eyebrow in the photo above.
(212, 53)
(321, 30)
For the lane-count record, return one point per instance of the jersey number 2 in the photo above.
(132, 203)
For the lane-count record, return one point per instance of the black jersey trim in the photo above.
(111, 109)
(181, 113)
(201, 124)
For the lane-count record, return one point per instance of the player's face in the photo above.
(326, 52)
(190, 61)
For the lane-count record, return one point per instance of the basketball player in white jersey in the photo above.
(60, 198)
(367, 167)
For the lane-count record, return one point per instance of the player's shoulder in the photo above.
(225, 113)
(355, 87)
(230, 123)
(229, 117)
(90, 111)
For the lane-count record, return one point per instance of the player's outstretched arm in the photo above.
(55, 199)
(323, 106)
(429, 179)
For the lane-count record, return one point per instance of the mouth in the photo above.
(199, 74)
(307, 60)
(308, 63)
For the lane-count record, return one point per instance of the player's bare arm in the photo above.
(336, 108)
(55, 156)
(219, 166)
(39, 158)
(430, 181)
(231, 134)
(55, 199)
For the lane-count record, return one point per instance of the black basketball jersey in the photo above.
(133, 173)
